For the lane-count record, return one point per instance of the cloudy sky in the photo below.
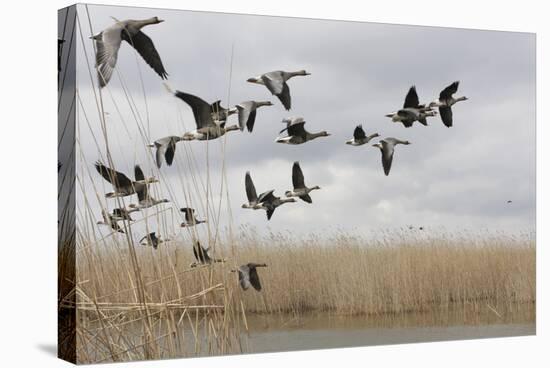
(457, 178)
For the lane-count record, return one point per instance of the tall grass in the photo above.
(342, 275)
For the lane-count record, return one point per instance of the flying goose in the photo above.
(108, 43)
(207, 118)
(190, 219)
(297, 134)
(122, 184)
(247, 113)
(110, 221)
(202, 257)
(248, 276)
(359, 136)
(251, 194)
(165, 147)
(412, 111)
(387, 146)
(445, 101)
(275, 82)
(269, 202)
(144, 199)
(152, 240)
(300, 189)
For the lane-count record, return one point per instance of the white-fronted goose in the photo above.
(276, 84)
(109, 220)
(359, 136)
(202, 257)
(297, 134)
(247, 113)
(108, 43)
(166, 149)
(270, 202)
(248, 276)
(145, 200)
(206, 118)
(190, 219)
(387, 146)
(121, 183)
(152, 240)
(412, 111)
(300, 189)
(445, 101)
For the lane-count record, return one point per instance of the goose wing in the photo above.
(141, 189)
(306, 198)
(448, 91)
(244, 277)
(107, 46)
(296, 128)
(112, 176)
(201, 109)
(387, 156)
(244, 109)
(145, 47)
(266, 196)
(446, 114)
(284, 97)
(170, 152)
(359, 133)
(189, 213)
(159, 155)
(270, 212)
(277, 86)
(411, 100)
(297, 176)
(250, 188)
(254, 279)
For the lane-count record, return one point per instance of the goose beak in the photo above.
(252, 80)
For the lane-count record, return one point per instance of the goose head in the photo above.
(264, 103)
(379, 145)
(462, 98)
(315, 187)
(302, 72)
(323, 133)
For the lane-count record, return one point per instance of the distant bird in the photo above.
(387, 146)
(110, 221)
(251, 194)
(276, 84)
(445, 101)
(190, 219)
(509, 202)
(122, 184)
(412, 227)
(152, 240)
(207, 118)
(248, 276)
(269, 202)
(297, 134)
(300, 189)
(145, 200)
(108, 43)
(247, 113)
(202, 257)
(166, 149)
(359, 136)
(412, 111)
(120, 214)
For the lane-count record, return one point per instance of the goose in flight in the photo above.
(109, 40)
(202, 257)
(166, 149)
(297, 134)
(122, 214)
(190, 219)
(144, 199)
(300, 189)
(152, 240)
(445, 101)
(412, 111)
(387, 146)
(359, 136)
(110, 221)
(121, 183)
(269, 202)
(207, 118)
(251, 193)
(248, 276)
(275, 82)
(247, 113)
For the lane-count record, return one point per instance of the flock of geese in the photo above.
(210, 120)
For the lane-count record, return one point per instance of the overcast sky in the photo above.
(457, 178)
